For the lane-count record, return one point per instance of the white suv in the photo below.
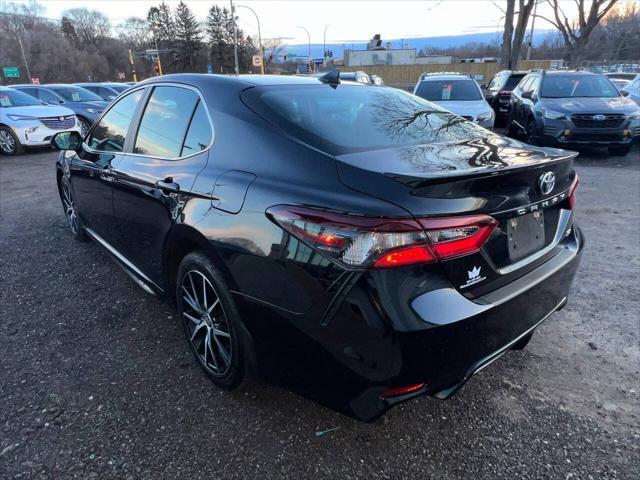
(458, 93)
(26, 122)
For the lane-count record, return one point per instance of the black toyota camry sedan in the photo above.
(357, 245)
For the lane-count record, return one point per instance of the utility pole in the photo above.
(235, 38)
(132, 66)
(158, 55)
(533, 22)
(309, 37)
(24, 57)
(259, 37)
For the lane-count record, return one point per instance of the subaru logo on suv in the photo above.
(599, 117)
(546, 182)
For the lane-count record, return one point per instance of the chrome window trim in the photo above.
(168, 159)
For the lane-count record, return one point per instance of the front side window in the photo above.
(76, 94)
(165, 121)
(449, 90)
(110, 133)
(353, 118)
(577, 85)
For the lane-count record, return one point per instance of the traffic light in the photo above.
(156, 67)
(285, 56)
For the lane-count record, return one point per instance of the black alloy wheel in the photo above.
(210, 321)
(70, 210)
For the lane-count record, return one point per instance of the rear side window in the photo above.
(165, 121)
(449, 90)
(46, 96)
(199, 135)
(110, 134)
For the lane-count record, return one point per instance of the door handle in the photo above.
(168, 185)
(106, 174)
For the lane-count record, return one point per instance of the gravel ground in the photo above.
(98, 382)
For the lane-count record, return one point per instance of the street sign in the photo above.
(35, 80)
(121, 76)
(318, 61)
(11, 72)
(257, 60)
(292, 55)
(209, 68)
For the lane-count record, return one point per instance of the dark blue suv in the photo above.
(573, 108)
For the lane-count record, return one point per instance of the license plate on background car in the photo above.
(525, 235)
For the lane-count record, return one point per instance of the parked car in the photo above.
(376, 250)
(458, 93)
(85, 104)
(27, 122)
(106, 90)
(498, 93)
(628, 84)
(358, 76)
(573, 108)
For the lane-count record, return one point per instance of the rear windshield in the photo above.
(512, 82)
(353, 118)
(75, 94)
(15, 98)
(568, 86)
(448, 90)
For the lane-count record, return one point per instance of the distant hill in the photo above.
(448, 41)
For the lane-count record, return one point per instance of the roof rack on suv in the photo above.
(436, 74)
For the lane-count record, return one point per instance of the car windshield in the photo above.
(449, 90)
(568, 86)
(75, 94)
(351, 118)
(15, 98)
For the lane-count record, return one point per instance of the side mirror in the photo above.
(624, 93)
(67, 141)
(528, 95)
(483, 86)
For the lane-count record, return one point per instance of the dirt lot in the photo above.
(98, 382)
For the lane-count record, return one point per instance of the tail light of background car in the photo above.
(356, 241)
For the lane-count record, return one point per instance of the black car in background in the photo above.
(498, 93)
(573, 108)
(105, 90)
(358, 245)
(85, 104)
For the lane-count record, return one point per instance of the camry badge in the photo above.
(599, 117)
(546, 182)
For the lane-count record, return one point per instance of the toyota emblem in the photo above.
(599, 117)
(546, 182)
(61, 119)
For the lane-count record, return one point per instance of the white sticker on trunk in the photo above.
(474, 277)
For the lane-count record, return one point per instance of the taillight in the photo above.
(400, 391)
(369, 242)
(572, 192)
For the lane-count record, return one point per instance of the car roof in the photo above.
(447, 76)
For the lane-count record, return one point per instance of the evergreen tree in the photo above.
(220, 38)
(188, 37)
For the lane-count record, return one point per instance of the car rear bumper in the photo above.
(349, 360)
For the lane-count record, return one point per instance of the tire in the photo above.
(522, 343)
(68, 205)
(9, 143)
(619, 150)
(85, 125)
(531, 132)
(212, 320)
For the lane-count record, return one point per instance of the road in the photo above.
(97, 380)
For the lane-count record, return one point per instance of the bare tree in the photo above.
(513, 37)
(274, 46)
(135, 32)
(90, 26)
(576, 32)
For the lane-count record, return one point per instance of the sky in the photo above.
(348, 20)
